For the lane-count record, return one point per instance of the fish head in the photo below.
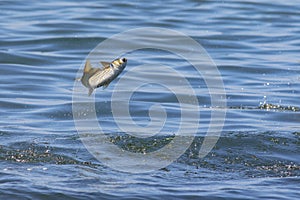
(118, 64)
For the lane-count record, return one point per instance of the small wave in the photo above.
(32, 153)
(268, 106)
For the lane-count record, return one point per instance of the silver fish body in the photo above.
(97, 77)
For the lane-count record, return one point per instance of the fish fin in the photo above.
(105, 64)
(87, 66)
(108, 66)
(90, 91)
(78, 79)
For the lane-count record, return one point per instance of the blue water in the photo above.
(255, 45)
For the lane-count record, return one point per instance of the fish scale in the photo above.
(100, 77)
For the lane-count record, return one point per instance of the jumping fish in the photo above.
(93, 78)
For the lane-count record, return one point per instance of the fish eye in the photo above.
(124, 59)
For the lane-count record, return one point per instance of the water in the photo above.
(255, 45)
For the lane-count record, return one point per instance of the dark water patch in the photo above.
(139, 145)
(252, 155)
(24, 152)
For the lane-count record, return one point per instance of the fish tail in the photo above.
(90, 91)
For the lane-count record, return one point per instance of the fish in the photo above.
(93, 78)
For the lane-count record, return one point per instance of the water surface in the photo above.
(255, 45)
